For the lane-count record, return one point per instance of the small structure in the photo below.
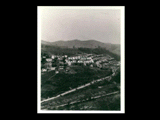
(99, 65)
(48, 59)
(53, 56)
(53, 68)
(49, 65)
(56, 72)
(60, 58)
(69, 63)
(100, 86)
(105, 65)
(61, 67)
(65, 56)
(61, 62)
(44, 70)
(91, 65)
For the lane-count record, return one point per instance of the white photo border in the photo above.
(122, 45)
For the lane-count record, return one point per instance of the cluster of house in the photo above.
(79, 60)
(106, 62)
(88, 59)
(50, 65)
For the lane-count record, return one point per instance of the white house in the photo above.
(99, 65)
(89, 58)
(53, 56)
(74, 61)
(91, 65)
(53, 68)
(69, 63)
(57, 72)
(48, 59)
(79, 61)
(44, 70)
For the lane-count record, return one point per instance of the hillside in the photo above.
(114, 48)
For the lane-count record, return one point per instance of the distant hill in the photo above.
(45, 42)
(114, 48)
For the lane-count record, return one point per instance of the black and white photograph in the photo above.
(80, 59)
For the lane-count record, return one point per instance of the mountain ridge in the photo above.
(115, 48)
(77, 40)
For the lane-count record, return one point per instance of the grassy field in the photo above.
(110, 103)
(99, 88)
(62, 82)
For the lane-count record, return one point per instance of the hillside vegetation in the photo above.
(63, 81)
(113, 48)
(50, 49)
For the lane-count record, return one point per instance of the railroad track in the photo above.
(83, 86)
(85, 100)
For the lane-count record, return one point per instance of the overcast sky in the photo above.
(82, 24)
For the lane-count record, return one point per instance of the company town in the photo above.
(57, 63)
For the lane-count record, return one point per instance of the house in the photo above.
(65, 56)
(53, 56)
(44, 70)
(47, 65)
(89, 58)
(73, 61)
(99, 65)
(98, 62)
(61, 67)
(53, 68)
(67, 69)
(69, 58)
(91, 65)
(69, 63)
(117, 64)
(61, 62)
(105, 65)
(56, 72)
(80, 61)
(60, 58)
(48, 59)
(104, 60)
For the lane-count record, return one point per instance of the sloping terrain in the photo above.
(114, 48)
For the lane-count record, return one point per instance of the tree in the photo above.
(65, 65)
(102, 104)
(64, 60)
(116, 78)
